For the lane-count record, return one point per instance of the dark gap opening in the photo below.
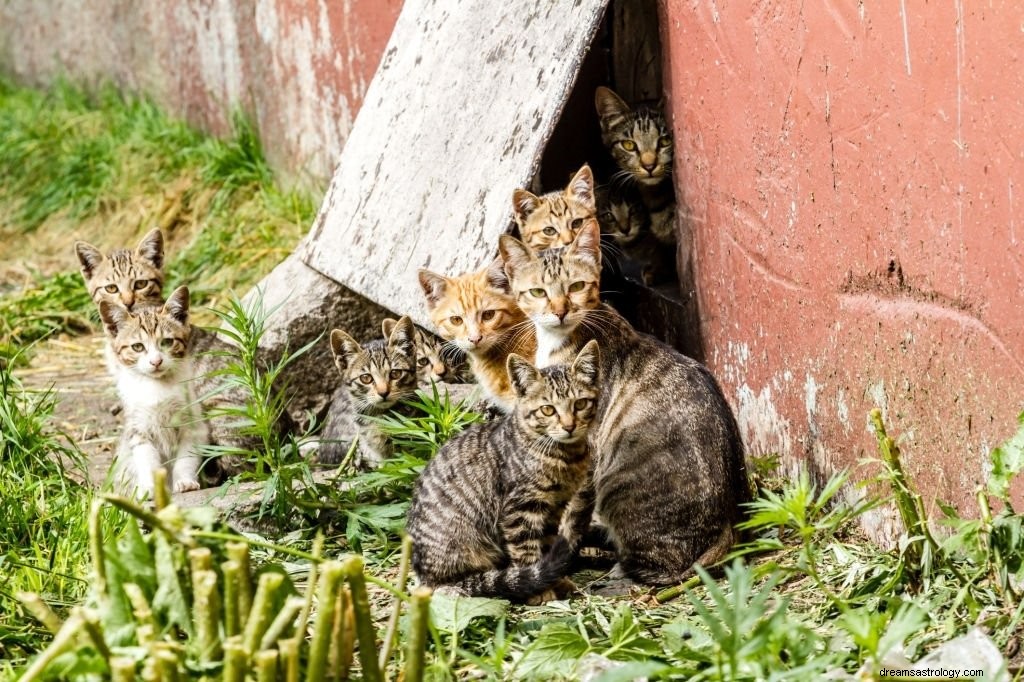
(626, 57)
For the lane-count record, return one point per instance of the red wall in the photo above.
(853, 177)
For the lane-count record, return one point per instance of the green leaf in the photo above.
(554, 652)
(1007, 461)
(635, 670)
(454, 614)
(169, 599)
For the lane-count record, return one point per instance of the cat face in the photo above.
(433, 362)
(622, 215)
(556, 218)
(473, 311)
(152, 341)
(381, 372)
(126, 278)
(639, 139)
(555, 288)
(558, 402)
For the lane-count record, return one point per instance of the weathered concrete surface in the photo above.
(851, 174)
(300, 67)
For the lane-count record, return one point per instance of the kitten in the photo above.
(669, 472)
(640, 141)
(375, 378)
(633, 249)
(124, 277)
(488, 505)
(476, 313)
(162, 425)
(555, 218)
(434, 362)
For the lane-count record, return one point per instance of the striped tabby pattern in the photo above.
(488, 505)
(125, 277)
(555, 218)
(629, 244)
(669, 471)
(435, 360)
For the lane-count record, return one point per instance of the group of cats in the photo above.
(604, 432)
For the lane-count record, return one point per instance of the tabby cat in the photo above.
(162, 426)
(669, 473)
(634, 250)
(489, 503)
(640, 141)
(555, 218)
(376, 376)
(476, 313)
(435, 361)
(125, 277)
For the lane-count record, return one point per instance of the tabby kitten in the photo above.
(434, 362)
(669, 472)
(124, 277)
(555, 218)
(640, 141)
(488, 505)
(634, 250)
(476, 313)
(162, 425)
(376, 376)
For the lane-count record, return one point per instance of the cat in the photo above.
(489, 503)
(434, 361)
(476, 313)
(640, 142)
(162, 424)
(669, 472)
(555, 218)
(376, 376)
(125, 277)
(633, 249)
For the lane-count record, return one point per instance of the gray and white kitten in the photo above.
(376, 376)
(436, 361)
(486, 510)
(669, 474)
(153, 372)
(640, 141)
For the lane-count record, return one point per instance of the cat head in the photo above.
(125, 277)
(474, 311)
(555, 219)
(433, 361)
(152, 341)
(555, 288)
(639, 139)
(379, 373)
(560, 401)
(621, 214)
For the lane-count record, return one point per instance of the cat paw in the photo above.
(543, 597)
(564, 588)
(186, 485)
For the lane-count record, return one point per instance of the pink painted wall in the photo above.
(300, 67)
(853, 176)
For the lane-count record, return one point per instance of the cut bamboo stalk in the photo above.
(331, 575)
(416, 647)
(363, 619)
(239, 553)
(262, 612)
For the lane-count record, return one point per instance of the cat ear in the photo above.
(521, 373)
(581, 188)
(496, 276)
(113, 317)
(514, 253)
(587, 365)
(344, 348)
(524, 203)
(177, 304)
(434, 287)
(587, 244)
(89, 257)
(403, 337)
(387, 325)
(610, 108)
(152, 247)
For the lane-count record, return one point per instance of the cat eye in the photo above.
(538, 293)
(138, 347)
(628, 145)
(366, 378)
(581, 404)
(547, 410)
(396, 374)
(576, 287)
(166, 343)
(550, 231)
(664, 141)
(423, 362)
(140, 284)
(455, 320)
(488, 315)
(110, 288)
(576, 224)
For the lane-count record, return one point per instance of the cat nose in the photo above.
(383, 391)
(438, 369)
(157, 361)
(475, 339)
(570, 427)
(128, 299)
(649, 160)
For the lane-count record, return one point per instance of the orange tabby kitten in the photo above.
(554, 219)
(476, 313)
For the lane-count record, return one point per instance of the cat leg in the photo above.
(144, 460)
(578, 514)
(185, 467)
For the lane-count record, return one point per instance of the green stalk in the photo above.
(91, 623)
(289, 649)
(363, 618)
(166, 662)
(392, 627)
(262, 612)
(140, 605)
(122, 669)
(62, 641)
(239, 553)
(342, 635)
(266, 666)
(230, 570)
(311, 581)
(99, 567)
(40, 610)
(149, 518)
(234, 660)
(200, 559)
(670, 593)
(206, 614)
(160, 496)
(332, 574)
(284, 620)
(419, 619)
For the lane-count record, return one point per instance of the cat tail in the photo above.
(519, 583)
